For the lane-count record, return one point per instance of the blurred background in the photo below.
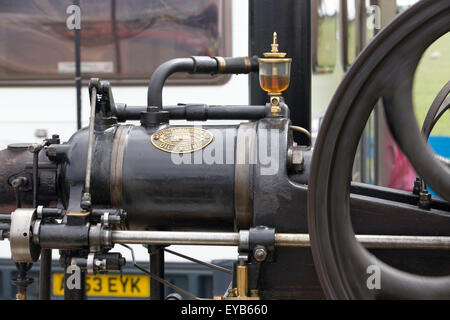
(124, 41)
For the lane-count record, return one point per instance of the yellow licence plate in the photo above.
(109, 285)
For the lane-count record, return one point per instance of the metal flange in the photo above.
(23, 248)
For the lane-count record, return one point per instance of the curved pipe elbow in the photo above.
(196, 65)
(156, 84)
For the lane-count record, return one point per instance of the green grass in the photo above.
(431, 76)
(327, 49)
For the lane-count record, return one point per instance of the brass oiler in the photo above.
(241, 291)
(274, 74)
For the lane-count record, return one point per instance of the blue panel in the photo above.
(440, 145)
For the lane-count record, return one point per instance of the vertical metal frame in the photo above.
(291, 19)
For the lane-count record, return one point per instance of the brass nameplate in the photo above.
(181, 139)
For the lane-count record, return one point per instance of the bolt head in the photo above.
(260, 254)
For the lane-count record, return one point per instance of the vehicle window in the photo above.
(358, 27)
(324, 37)
(120, 40)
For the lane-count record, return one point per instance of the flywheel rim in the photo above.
(341, 262)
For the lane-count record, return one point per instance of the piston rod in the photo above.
(373, 241)
(175, 238)
(281, 239)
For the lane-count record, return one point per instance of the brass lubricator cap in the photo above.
(274, 52)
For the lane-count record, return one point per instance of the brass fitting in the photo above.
(275, 103)
(241, 291)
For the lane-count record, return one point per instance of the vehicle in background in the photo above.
(132, 284)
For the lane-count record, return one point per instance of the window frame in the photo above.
(317, 68)
(225, 49)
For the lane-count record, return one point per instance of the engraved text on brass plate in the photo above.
(181, 139)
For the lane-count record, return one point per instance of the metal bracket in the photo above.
(262, 243)
(104, 98)
(255, 246)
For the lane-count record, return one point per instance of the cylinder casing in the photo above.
(159, 190)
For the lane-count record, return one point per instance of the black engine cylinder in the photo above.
(158, 189)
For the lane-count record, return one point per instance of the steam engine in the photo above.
(302, 228)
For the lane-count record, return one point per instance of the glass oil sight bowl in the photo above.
(274, 70)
